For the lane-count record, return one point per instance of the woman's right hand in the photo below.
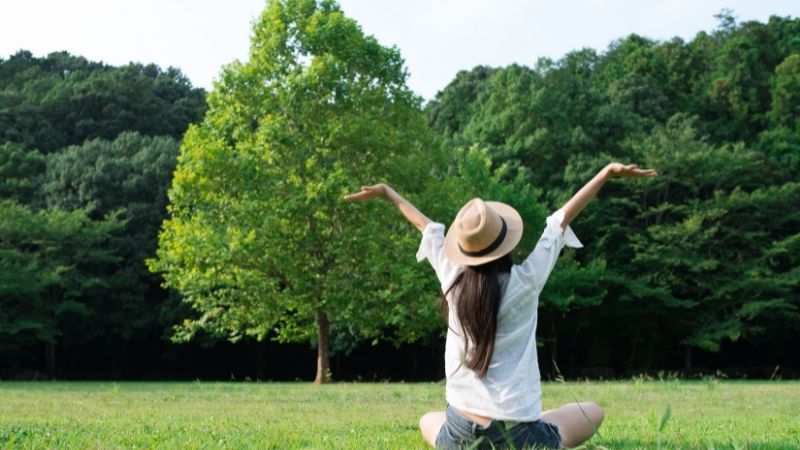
(617, 170)
(368, 192)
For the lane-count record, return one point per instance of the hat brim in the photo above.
(513, 236)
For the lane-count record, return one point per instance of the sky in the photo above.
(437, 38)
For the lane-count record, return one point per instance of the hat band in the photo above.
(492, 247)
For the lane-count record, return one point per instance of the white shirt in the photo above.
(511, 389)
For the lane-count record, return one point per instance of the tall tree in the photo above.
(258, 240)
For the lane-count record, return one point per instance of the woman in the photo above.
(493, 386)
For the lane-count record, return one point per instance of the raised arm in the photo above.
(409, 211)
(582, 198)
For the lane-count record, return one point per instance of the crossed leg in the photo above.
(430, 424)
(576, 422)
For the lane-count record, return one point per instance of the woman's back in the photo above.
(511, 389)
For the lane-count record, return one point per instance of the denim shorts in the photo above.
(458, 432)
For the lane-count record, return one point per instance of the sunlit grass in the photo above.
(702, 414)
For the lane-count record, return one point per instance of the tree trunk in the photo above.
(687, 357)
(50, 359)
(323, 348)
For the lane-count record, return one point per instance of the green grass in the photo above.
(703, 414)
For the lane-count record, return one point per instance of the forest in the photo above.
(151, 229)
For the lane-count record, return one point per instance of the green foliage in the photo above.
(691, 257)
(21, 172)
(59, 100)
(259, 240)
(785, 109)
(782, 140)
(52, 264)
(707, 236)
(535, 118)
(699, 240)
(49, 103)
(129, 176)
(452, 108)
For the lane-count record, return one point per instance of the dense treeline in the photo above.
(703, 257)
(60, 100)
(86, 156)
(697, 267)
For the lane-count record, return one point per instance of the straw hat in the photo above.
(482, 232)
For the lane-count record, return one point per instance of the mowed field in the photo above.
(702, 414)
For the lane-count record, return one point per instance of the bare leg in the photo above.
(576, 422)
(430, 424)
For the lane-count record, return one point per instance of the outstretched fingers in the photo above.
(644, 172)
(633, 171)
(366, 193)
(618, 170)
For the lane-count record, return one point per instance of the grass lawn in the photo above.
(703, 414)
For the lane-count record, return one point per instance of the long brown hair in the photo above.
(477, 291)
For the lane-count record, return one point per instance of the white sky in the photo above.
(437, 38)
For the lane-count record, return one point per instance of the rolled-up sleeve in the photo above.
(536, 268)
(432, 248)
